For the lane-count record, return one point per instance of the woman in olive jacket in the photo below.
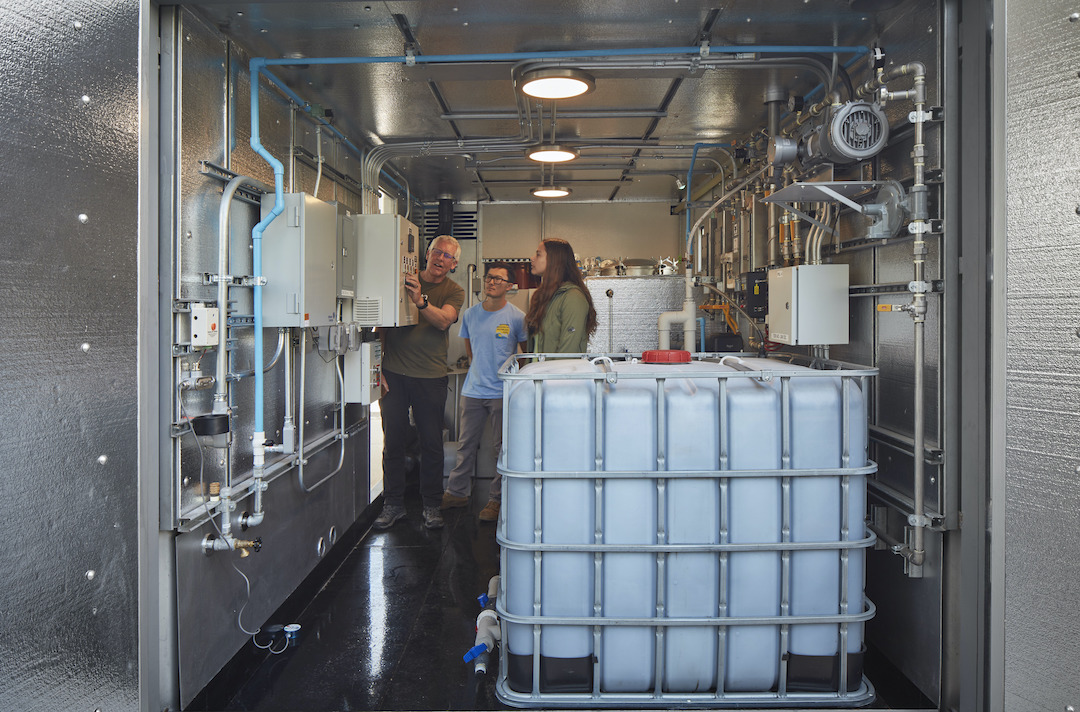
(561, 315)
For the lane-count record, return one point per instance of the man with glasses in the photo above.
(493, 330)
(414, 376)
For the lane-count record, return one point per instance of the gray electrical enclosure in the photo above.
(346, 250)
(388, 248)
(300, 255)
(808, 305)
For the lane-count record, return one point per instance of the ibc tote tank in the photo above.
(683, 531)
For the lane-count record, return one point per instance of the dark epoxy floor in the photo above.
(388, 628)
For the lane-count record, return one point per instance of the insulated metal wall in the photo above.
(1042, 389)
(68, 369)
(208, 82)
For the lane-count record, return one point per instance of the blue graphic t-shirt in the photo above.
(494, 337)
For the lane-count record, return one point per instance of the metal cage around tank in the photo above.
(684, 534)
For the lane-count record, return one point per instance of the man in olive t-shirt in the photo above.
(414, 375)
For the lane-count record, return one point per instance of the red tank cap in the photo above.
(666, 356)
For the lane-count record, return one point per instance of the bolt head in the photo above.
(90, 575)
(1074, 17)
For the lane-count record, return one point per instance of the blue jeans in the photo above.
(427, 398)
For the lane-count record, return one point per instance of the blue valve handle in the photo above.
(475, 652)
(483, 599)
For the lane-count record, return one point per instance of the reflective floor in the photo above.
(386, 629)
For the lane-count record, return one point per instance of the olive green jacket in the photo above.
(563, 328)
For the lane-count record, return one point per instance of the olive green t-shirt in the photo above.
(420, 351)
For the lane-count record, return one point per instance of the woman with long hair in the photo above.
(561, 314)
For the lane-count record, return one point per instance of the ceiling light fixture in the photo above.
(551, 153)
(557, 83)
(551, 191)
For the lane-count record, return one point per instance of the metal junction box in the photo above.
(808, 305)
(346, 250)
(363, 374)
(300, 262)
(388, 248)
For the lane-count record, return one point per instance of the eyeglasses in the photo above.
(496, 280)
(445, 255)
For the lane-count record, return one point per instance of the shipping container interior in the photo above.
(791, 171)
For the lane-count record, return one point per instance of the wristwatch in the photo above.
(424, 305)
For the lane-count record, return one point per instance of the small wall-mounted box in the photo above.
(204, 326)
(808, 305)
(363, 374)
(388, 248)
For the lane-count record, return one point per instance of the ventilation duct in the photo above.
(446, 216)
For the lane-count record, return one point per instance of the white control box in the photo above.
(387, 248)
(299, 262)
(363, 374)
(808, 305)
(204, 326)
(346, 246)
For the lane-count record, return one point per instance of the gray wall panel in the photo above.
(215, 114)
(1042, 400)
(68, 366)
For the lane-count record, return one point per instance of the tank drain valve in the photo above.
(487, 632)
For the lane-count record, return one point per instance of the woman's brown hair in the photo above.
(561, 268)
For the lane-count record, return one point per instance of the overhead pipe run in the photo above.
(703, 54)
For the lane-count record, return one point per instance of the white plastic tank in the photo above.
(702, 501)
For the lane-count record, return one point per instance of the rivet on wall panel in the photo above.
(85, 99)
(90, 575)
(1074, 17)
(102, 459)
(85, 347)
(84, 218)
(1070, 708)
(77, 25)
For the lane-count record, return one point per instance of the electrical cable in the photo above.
(202, 462)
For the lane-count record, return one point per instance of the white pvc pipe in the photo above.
(686, 316)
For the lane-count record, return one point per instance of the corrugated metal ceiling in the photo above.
(623, 157)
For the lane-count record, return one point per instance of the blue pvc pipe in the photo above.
(256, 237)
(306, 106)
(701, 334)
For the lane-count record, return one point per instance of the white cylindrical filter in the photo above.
(692, 516)
(627, 654)
(753, 651)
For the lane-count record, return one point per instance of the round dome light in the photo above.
(551, 191)
(551, 153)
(557, 83)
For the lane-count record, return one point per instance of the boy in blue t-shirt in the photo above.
(493, 330)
